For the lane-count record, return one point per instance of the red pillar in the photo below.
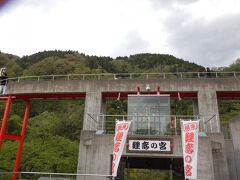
(20, 146)
(5, 119)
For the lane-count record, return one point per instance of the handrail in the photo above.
(54, 174)
(119, 76)
(207, 124)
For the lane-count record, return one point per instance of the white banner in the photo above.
(121, 131)
(190, 148)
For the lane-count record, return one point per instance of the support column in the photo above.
(20, 146)
(208, 110)
(5, 120)
(93, 159)
(235, 132)
(195, 107)
(93, 107)
(95, 155)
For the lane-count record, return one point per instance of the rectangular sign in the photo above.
(145, 145)
(190, 131)
(120, 137)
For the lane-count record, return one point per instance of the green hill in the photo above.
(70, 62)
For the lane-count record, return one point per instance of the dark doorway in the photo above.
(146, 168)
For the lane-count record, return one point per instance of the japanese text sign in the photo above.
(149, 145)
(120, 137)
(190, 131)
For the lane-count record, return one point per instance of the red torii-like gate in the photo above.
(19, 138)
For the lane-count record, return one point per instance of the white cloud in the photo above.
(122, 27)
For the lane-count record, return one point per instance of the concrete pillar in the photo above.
(95, 155)
(102, 119)
(220, 163)
(235, 132)
(93, 107)
(196, 113)
(208, 110)
(231, 160)
(195, 107)
(205, 168)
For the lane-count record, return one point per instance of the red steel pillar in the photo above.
(20, 137)
(20, 146)
(5, 119)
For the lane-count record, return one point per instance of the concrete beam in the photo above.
(59, 86)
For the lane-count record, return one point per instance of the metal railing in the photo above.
(150, 125)
(119, 76)
(51, 176)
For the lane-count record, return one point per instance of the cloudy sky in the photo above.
(206, 32)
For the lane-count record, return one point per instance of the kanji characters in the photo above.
(145, 145)
(189, 137)
(119, 136)
(150, 145)
(123, 126)
(119, 141)
(188, 170)
(162, 145)
(190, 126)
(116, 146)
(189, 148)
(136, 145)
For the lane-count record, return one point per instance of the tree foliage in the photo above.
(69, 62)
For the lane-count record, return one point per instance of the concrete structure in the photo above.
(216, 157)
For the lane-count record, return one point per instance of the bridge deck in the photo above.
(185, 88)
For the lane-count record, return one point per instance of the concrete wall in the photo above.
(231, 160)
(220, 164)
(95, 155)
(235, 133)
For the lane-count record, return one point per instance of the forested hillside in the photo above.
(66, 62)
(54, 127)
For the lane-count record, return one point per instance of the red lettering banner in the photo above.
(121, 131)
(190, 131)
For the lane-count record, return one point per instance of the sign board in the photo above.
(190, 147)
(149, 145)
(120, 137)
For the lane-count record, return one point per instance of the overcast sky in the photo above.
(206, 32)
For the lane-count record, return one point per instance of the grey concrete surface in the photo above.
(224, 84)
(93, 107)
(208, 107)
(96, 150)
(220, 165)
(235, 132)
(231, 160)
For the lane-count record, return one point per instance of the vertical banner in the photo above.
(190, 131)
(121, 131)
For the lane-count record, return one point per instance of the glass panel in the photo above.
(150, 114)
